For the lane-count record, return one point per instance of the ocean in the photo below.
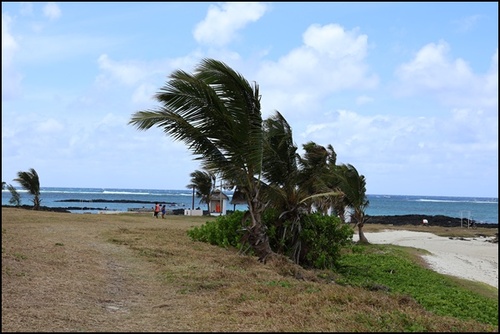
(480, 209)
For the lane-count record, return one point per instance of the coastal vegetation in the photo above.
(128, 272)
(322, 237)
(217, 113)
(15, 197)
(202, 183)
(29, 181)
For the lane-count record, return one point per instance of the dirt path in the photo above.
(80, 282)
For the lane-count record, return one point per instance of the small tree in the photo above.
(353, 187)
(29, 181)
(202, 182)
(15, 198)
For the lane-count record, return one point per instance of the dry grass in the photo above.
(130, 272)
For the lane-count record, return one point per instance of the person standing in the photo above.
(163, 211)
(157, 210)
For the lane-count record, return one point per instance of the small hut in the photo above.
(218, 203)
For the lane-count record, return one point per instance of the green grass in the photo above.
(394, 269)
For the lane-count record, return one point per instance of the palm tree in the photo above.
(29, 181)
(353, 187)
(15, 198)
(203, 182)
(282, 191)
(216, 112)
(315, 174)
(289, 188)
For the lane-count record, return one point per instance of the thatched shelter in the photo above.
(218, 203)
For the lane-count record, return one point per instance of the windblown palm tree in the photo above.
(15, 198)
(353, 187)
(203, 182)
(29, 181)
(291, 189)
(316, 169)
(281, 173)
(216, 112)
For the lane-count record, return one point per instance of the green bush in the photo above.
(322, 239)
(225, 231)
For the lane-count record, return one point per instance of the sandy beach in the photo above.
(470, 258)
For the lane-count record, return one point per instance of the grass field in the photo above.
(130, 272)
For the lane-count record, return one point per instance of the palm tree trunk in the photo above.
(36, 202)
(362, 237)
(258, 239)
(256, 234)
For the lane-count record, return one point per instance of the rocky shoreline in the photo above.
(438, 220)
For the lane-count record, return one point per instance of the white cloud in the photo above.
(128, 73)
(355, 136)
(335, 42)
(452, 82)
(9, 44)
(11, 78)
(144, 78)
(50, 126)
(430, 69)
(330, 60)
(51, 11)
(222, 22)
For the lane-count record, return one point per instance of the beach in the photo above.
(474, 259)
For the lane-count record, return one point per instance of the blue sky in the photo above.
(405, 92)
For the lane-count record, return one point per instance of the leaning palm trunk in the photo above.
(256, 233)
(361, 234)
(256, 236)
(36, 202)
(360, 222)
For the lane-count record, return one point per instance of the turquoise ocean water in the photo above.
(480, 209)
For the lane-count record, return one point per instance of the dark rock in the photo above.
(438, 220)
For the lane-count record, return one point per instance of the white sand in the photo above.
(474, 259)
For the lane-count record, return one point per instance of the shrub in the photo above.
(322, 239)
(225, 231)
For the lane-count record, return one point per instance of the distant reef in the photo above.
(108, 201)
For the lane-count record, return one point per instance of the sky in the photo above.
(405, 92)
